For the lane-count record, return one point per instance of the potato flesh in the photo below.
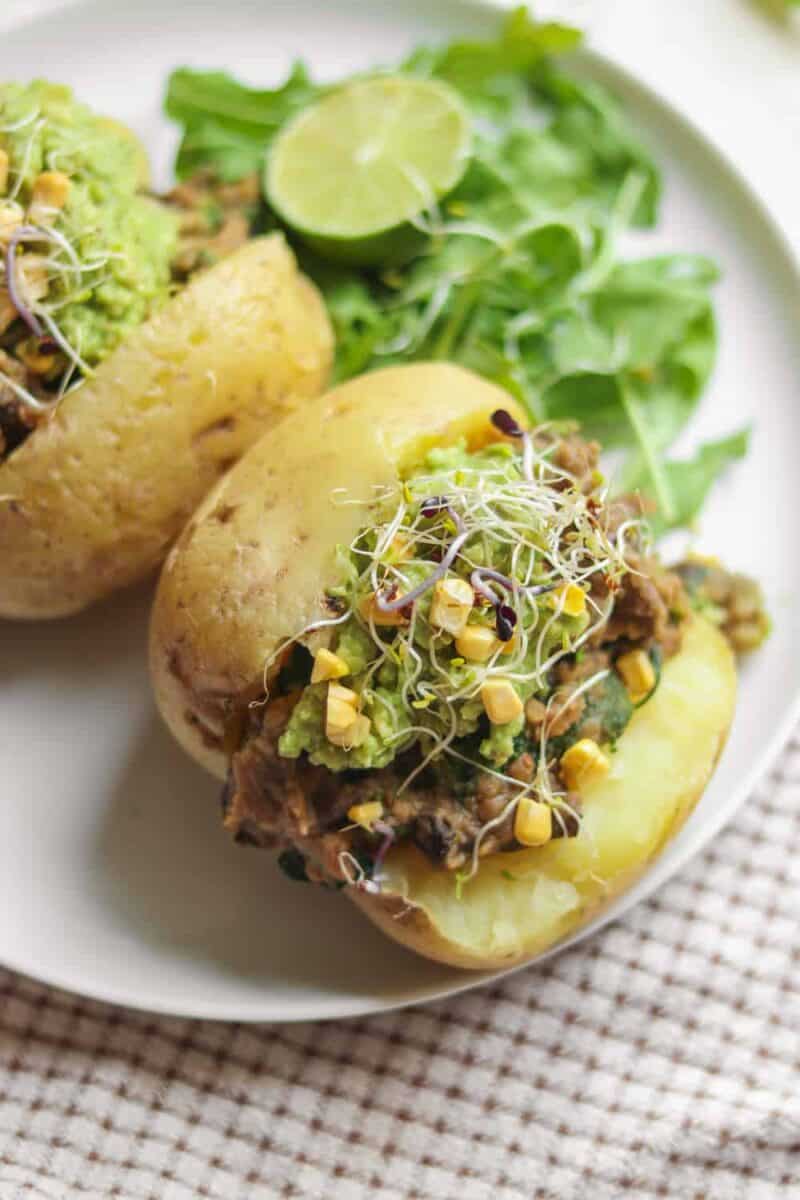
(251, 569)
(93, 499)
(662, 764)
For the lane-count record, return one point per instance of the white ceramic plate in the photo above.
(115, 878)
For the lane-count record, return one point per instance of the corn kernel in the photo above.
(3, 171)
(353, 735)
(328, 665)
(341, 712)
(371, 612)
(476, 643)
(638, 674)
(583, 763)
(32, 277)
(510, 646)
(501, 702)
(336, 691)
(533, 822)
(338, 718)
(10, 219)
(452, 604)
(50, 192)
(570, 599)
(365, 815)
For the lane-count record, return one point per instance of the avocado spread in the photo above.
(102, 261)
(418, 669)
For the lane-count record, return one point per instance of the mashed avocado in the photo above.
(411, 680)
(110, 264)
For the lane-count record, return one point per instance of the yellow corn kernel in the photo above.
(476, 643)
(50, 192)
(341, 712)
(353, 735)
(10, 219)
(533, 822)
(328, 665)
(336, 691)
(32, 277)
(452, 604)
(365, 815)
(338, 719)
(371, 612)
(583, 763)
(570, 599)
(501, 702)
(638, 674)
(3, 171)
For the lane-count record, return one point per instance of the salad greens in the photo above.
(520, 278)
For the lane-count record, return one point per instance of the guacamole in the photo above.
(411, 680)
(108, 259)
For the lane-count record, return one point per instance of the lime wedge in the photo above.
(351, 173)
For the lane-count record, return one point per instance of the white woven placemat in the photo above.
(660, 1060)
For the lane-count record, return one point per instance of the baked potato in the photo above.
(438, 667)
(94, 497)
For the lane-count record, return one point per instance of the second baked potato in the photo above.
(93, 498)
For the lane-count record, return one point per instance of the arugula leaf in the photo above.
(226, 125)
(470, 65)
(520, 279)
(690, 480)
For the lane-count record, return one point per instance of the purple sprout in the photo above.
(505, 616)
(505, 423)
(435, 506)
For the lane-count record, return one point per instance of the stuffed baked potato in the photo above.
(92, 500)
(438, 666)
(121, 402)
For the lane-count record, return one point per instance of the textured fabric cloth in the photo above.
(661, 1059)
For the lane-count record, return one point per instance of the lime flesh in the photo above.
(352, 173)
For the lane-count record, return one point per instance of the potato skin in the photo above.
(251, 568)
(249, 572)
(522, 903)
(94, 498)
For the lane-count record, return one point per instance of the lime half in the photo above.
(352, 172)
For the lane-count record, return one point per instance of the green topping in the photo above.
(416, 679)
(108, 260)
(606, 713)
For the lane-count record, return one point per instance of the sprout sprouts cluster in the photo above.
(522, 531)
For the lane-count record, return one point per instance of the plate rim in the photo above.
(728, 160)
